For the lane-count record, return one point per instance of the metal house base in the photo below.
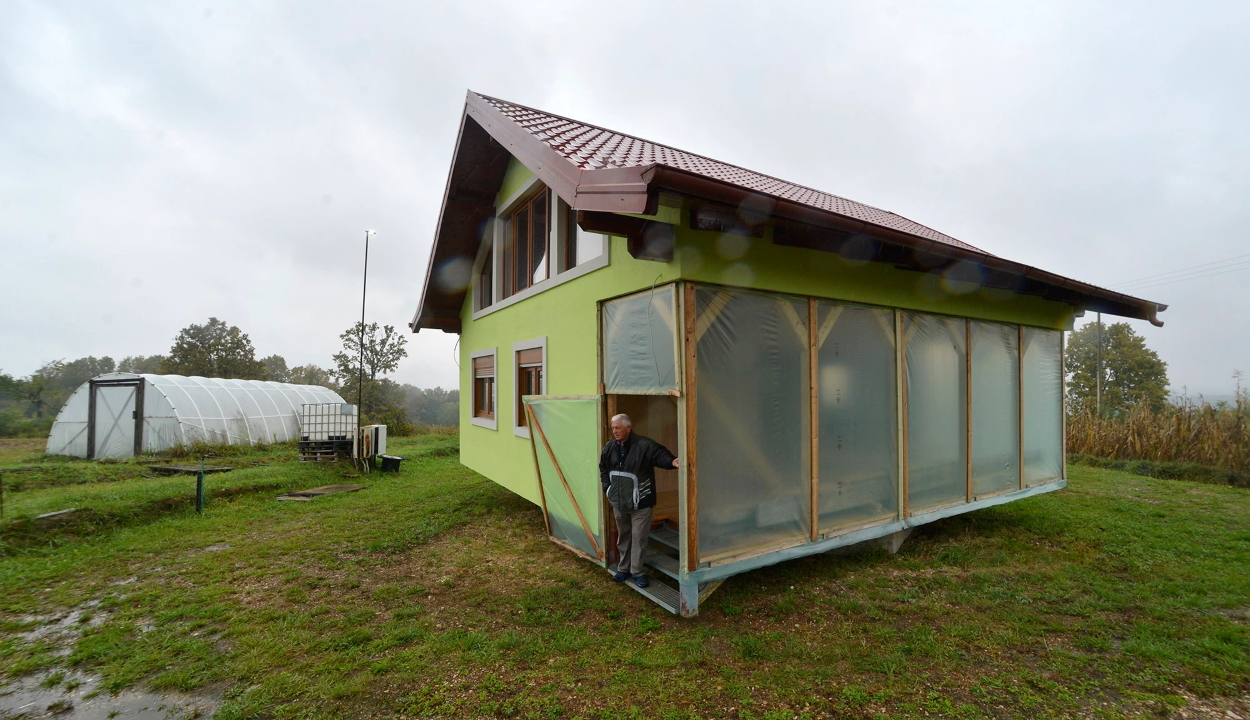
(694, 587)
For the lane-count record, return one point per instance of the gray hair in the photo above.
(624, 420)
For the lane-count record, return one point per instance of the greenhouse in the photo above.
(123, 414)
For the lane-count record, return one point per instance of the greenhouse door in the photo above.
(115, 419)
(564, 432)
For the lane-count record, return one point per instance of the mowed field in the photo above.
(434, 593)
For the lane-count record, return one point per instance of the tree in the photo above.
(311, 375)
(1132, 372)
(276, 369)
(75, 373)
(381, 356)
(214, 349)
(382, 353)
(433, 406)
(141, 364)
(38, 391)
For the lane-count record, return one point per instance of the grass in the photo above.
(433, 593)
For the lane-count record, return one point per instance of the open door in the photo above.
(564, 432)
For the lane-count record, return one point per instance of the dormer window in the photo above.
(526, 244)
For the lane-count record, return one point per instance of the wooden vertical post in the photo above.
(691, 520)
(900, 355)
(91, 388)
(968, 408)
(813, 402)
(1063, 406)
(1020, 396)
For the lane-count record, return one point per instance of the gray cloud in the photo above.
(195, 151)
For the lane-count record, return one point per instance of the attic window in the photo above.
(526, 244)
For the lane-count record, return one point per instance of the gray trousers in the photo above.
(633, 532)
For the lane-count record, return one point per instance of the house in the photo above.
(830, 373)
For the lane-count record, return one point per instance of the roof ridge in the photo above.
(695, 154)
(588, 152)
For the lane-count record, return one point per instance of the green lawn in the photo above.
(434, 593)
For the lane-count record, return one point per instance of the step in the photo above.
(662, 562)
(666, 536)
(659, 593)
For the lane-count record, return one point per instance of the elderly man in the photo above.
(626, 471)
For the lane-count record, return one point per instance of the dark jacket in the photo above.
(629, 480)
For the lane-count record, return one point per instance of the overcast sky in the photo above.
(163, 162)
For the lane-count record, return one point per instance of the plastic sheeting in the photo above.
(858, 431)
(995, 408)
(640, 343)
(1043, 405)
(753, 473)
(180, 410)
(569, 427)
(936, 411)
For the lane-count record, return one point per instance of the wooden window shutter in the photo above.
(532, 356)
(484, 366)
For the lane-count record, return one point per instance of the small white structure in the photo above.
(123, 414)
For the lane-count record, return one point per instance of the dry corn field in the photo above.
(1184, 433)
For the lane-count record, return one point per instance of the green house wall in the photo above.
(567, 315)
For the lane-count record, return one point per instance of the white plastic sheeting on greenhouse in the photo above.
(753, 430)
(173, 410)
(995, 408)
(640, 343)
(937, 413)
(1043, 405)
(858, 436)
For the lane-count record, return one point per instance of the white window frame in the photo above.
(494, 236)
(492, 423)
(517, 347)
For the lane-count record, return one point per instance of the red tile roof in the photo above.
(589, 147)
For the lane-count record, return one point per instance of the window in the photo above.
(486, 282)
(526, 244)
(530, 363)
(483, 389)
(578, 246)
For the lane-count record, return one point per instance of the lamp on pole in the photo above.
(364, 285)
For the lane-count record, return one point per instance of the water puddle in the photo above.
(67, 695)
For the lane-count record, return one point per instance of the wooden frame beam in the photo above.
(691, 461)
(901, 359)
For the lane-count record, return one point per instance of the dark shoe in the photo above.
(642, 580)
(621, 576)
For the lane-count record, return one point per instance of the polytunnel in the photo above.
(123, 414)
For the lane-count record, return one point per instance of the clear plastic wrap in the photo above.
(640, 343)
(936, 411)
(753, 426)
(1043, 406)
(570, 428)
(858, 430)
(995, 408)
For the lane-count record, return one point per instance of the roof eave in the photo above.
(1090, 296)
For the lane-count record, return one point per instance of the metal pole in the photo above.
(364, 285)
(1098, 377)
(199, 489)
